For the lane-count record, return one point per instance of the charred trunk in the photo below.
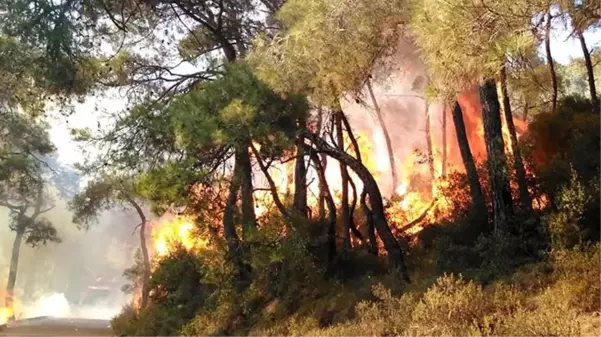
(393, 170)
(518, 164)
(246, 191)
(229, 230)
(346, 214)
(589, 71)
(331, 232)
(369, 217)
(300, 174)
(323, 162)
(470, 166)
(14, 265)
(495, 150)
(395, 252)
(357, 150)
(550, 62)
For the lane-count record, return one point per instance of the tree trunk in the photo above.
(321, 196)
(300, 174)
(518, 164)
(589, 72)
(444, 141)
(331, 232)
(145, 255)
(393, 170)
(357, 150)
(346, 214)
(369, 216)
(470, 167)
(246, 191)
(550, 62)
(429, 147)
(229, 229)
(12, 274)
(526, 108)
(272, 186)
(495, 151)
(395, 252)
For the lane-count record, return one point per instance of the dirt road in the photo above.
(51, 326)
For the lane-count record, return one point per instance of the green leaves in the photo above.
(464, 42)
(40, 233)
(328, 47)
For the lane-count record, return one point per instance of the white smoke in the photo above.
(57, 305)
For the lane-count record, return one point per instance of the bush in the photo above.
(178, 288)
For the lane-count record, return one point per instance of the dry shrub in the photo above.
(578, 278)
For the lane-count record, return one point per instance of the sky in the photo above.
(563, 50)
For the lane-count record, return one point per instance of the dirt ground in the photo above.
(50, 326)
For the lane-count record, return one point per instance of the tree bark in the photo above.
(346, 214)
(321, 196)
(14, 265)
(331, 232)
(589, 72)
(246, 191)
(518, 164)
(145, 255)
(495, 150)
(550, 62)
(393, 170)
(229, 229)
(357, 150)
(395, 252)
(470, 166)
(369, 216)
(300, 174)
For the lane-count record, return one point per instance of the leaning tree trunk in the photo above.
(145, 255)
(550, 62)
(393, 170)
(366, 210)
(246, 191)
(346, 214)
(495, 150)
(589, 71)
(429, 147)
(331, 232)
(12, 274)
(518, 164)
(470, 167)
(300, 174)
(395, 252)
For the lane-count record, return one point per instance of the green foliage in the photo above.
(40, 233)
(327, 48)
(178, 289)
(465, 42)
(101, 195)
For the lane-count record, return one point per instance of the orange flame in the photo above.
(169, 233)
(5, 314)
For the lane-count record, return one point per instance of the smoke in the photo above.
(398, 83)
(80, 277)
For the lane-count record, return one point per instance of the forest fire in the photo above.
(5, 315)
(173, 231)
(419, 197)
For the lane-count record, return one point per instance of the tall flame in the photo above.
(170, 232)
